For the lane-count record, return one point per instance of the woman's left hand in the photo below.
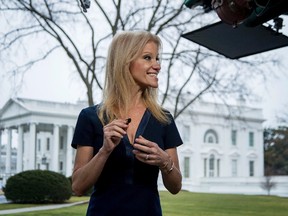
(149, 152)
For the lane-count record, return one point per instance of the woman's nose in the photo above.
(157, 66)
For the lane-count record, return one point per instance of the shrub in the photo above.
(38, 186)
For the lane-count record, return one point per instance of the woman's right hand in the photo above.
(113, 133)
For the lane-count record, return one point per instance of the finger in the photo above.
(118, 122)
(146, 158)
(144, 142)
(114, 134)
(140, 153)
(142, 148)
(116, 127)
(143, 158)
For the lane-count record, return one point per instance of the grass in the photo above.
(191, 204)
(201, 204)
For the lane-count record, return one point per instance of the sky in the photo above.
(54, 80)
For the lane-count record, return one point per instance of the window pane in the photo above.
(251, 139)
(61, 165)
(186, 133)
(210, 136)
(61, 142)
(39, 145)
(186, 167)
(211, 166)
(210, 139)
(48, 144)
(251, 168)
(234, 137)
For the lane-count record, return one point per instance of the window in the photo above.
(234, 167)
(48, 144)
(211, 165)
(39, 144)
(211, 139)
(251, 139)
(210, 136)
(186, 167)
(61, 142)
(251, 168)
(186, 133)
(234, 137)
(61, 165)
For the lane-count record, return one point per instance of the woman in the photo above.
(123, 142)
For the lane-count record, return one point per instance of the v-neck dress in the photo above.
(126, 186)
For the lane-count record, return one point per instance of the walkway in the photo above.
(40, 208)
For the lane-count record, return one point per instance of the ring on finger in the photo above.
(147, 157)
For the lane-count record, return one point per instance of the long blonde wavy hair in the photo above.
(124, 49)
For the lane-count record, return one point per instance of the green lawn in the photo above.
(195, 204)
(201, 204)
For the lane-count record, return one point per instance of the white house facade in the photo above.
(222, 150)
(44, 131)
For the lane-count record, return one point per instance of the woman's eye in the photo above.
(147, 57)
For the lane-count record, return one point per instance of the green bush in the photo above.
(38, 186)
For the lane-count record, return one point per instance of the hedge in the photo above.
(38, 186)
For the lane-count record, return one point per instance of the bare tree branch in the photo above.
(84, 38)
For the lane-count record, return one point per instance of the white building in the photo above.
(44, 131)
(222, 150)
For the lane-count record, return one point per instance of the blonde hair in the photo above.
(125, 48)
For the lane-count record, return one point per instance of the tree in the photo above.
(268, 184)
(61, 26)
(276, 151)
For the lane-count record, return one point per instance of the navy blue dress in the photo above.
(126, 186)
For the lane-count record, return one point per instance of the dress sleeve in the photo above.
(83, 134)
(172, 137)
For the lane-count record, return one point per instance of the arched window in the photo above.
(211, 139)
(210, 136)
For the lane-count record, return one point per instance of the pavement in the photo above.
(40, 208)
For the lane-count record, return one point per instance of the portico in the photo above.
(43, 132)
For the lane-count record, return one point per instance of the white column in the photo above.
(259, 166)
(55, 149)
(8, 152)
(32, 146)
(69, 152)
(20, 149)
(0, 143)
(243, 146)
